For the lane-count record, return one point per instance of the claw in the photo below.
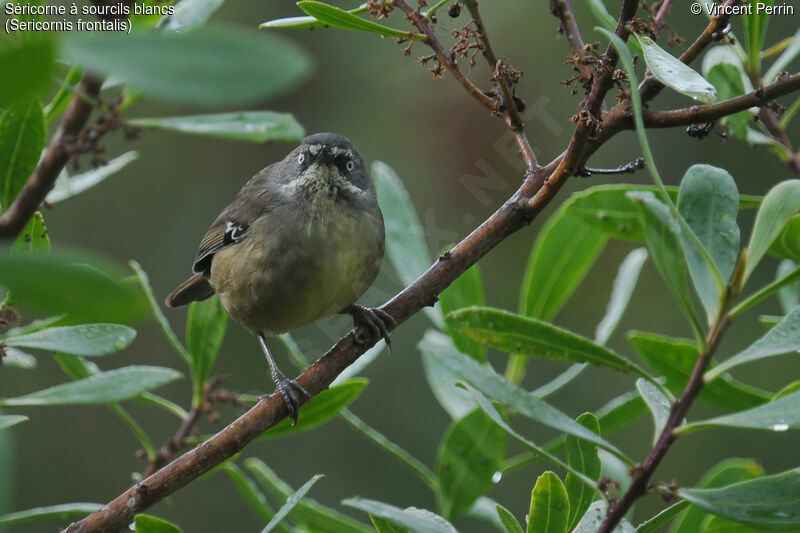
(377, 320)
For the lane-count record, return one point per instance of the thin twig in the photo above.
(569, 27)
(767, 118)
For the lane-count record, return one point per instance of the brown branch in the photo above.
(562, 9)
(55, 159)
(767, 117)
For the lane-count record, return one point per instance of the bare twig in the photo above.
(562, 9)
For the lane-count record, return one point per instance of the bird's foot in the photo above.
(293, 394)
(373, 318)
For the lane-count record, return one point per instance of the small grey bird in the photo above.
(303, 239)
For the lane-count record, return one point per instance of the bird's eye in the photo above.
(350, 165)
(301, 158)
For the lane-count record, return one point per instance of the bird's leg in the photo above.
(378, 320)
(292, 392)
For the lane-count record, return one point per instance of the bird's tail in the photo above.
(194, 289)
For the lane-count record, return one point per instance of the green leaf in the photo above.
(189, 14)
(249, 492)
(88, 290)
(382, 525)
(290, 504)
(33, 238)
(624, 283)
(85, 340)
(251, 126)
(755, 137)
(22, 138)
(6, 421)
(618, 412)
(582, 456)
(787, 243)
(767, 502)
(510, 523)
(661, 234)
(674, 358)
(60, 512)
(565, 250)
(465, 291)
(63, 96)
(755, 26)
(67, 186)
(405, 240)
(152, 524)
(781, 339)
(658, 404)
(724, 473)
(708, 200)
(208, 66)
(534, 338)
(779, 206)
(27, 67)
(205, 330)
(305, 23)
(782, 414)
(469, 456)
(322, 407)
(784, 59)
(661, 519)
(715, 524)
(307, 512)
(105, 387)
(411, 517)
(18, 358)
(601, 14)
(590, 523)
(675, 74)
(726, 80)
(455, 400)
(549, 510)
(338, 18)
(490, 383)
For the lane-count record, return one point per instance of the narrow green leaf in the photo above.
(661, 234)
(207, 66)
(67, 186)
(465, 291)
(27, 67)
(6, 421)
(715, 524)
(63, 96)
(674, 358)
(787, 243)
(85, 340)
(781, 339)
(661, 519)
(510, 523)
(338, 18)
(675, 74)
(189, 14)
(455, 400)
(33, 239)
(728, 83)
(782, 414)
(624, 283)
(58, 284)
(205, 329)
(305, 23)
(22, 138)
(469, 455)
(582, 456)
(152, 524)
(18, 358)
(322, 407)
(249, 492)
(565, 249)
(771, 501)
(61, 512)
(601, 14)
(252, 126)
(549, 509)
(307, 512)
(105, 387)
(621, 411)
(590, 523)
(658, 404)
(411, 517)
(534, 338)
(783, 61)
(291, 502)
(708, 200)
(490, 383)
(382, 525)
(779, 206)
(756, 138)
(724, 473)
(755, 26)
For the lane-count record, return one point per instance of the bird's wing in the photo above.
(233, 224)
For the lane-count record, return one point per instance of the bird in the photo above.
(302, 240)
